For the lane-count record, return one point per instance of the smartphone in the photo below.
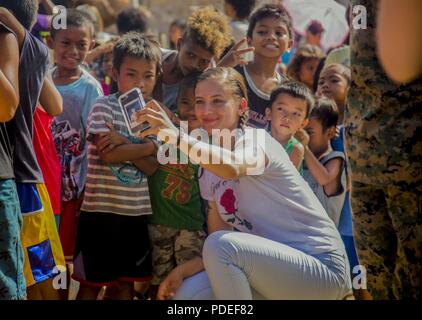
(131, 102)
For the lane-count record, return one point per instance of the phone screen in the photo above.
(132, 102)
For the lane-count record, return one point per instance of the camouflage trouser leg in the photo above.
(406, 214)
(171, 247)
(387, 224)
(188, 245)
(162, 241)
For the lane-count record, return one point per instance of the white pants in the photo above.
(243, 266)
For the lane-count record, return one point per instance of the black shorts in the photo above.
(111, 248)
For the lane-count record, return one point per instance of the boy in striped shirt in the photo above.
(112, 245)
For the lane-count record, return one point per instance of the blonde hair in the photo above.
(209, 29)
(233, 80)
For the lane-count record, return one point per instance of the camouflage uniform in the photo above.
(172, 247)
(383, 121)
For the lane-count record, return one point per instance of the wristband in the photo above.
(134, 140)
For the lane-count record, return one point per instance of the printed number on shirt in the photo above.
(179, 187)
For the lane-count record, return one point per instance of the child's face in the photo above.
(287, 115)
(270, 37)
(318, 138)
(186, 107)
(136, 73)
(229, 10)
(175, 33)
(216, 107)
(333, 85)
(107, 65)
(192, 57)
(307, 72)
(71, 47)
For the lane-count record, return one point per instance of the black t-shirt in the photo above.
(33, 65)
(258, 101)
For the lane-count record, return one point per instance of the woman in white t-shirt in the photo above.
(269, 237)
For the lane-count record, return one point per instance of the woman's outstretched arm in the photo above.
(248, 158)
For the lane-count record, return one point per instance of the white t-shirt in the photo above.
(277, 204)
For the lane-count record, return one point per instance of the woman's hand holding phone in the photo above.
(160, 122)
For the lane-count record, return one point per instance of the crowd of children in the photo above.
(81, 194)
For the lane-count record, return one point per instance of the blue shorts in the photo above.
(12, 280)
